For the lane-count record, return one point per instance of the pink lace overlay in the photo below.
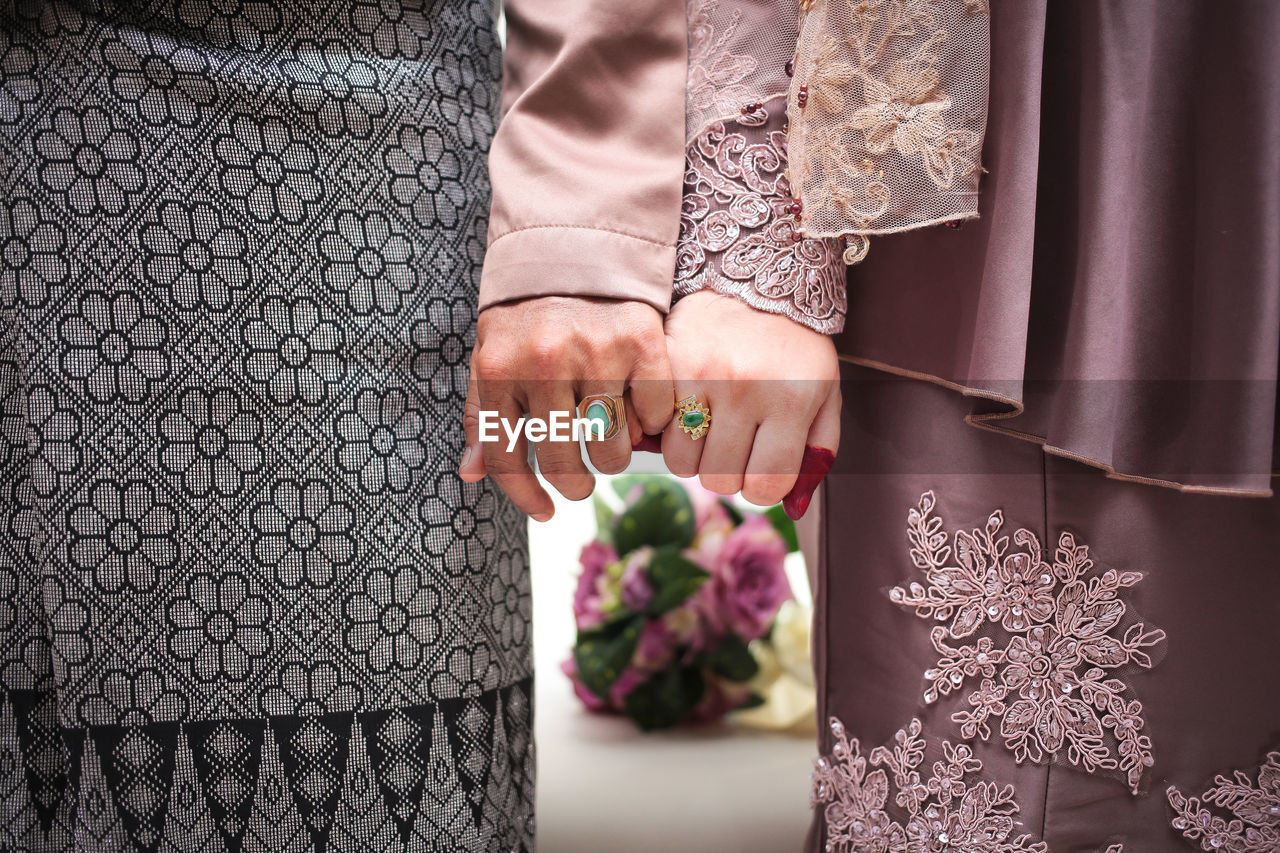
(739, 232)
(939, 806)
(888, 109)
(737, 54)
(1253, 825)
(1036, 637)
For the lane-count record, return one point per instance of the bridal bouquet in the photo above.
(673, 592)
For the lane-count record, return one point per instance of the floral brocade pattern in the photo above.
(942, 806)
(246, 603)
(1254, 809)
(739, 233)
(1038, 638)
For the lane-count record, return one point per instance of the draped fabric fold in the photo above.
(1118, 301)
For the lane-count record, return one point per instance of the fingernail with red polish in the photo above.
(815, 464)
(649, 444)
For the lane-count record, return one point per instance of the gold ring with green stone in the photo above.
(604, 408)
(693, 417)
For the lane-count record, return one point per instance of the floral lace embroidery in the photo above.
(717, 76)
(1254, 825)
(888, 109)
(944, 808)
(737, 229)
(1045, 666)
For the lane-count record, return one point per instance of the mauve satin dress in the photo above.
(1060, 633)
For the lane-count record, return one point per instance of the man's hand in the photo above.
(540, 355)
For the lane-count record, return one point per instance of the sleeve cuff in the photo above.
(572, 260)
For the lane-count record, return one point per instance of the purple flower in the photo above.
(630, 679)
(712, 526)
(589, 598)
(657, 647)
(591, 700)
(720, 698)
(688, 625)
(637, 592)
(748, 582)
(708, 507)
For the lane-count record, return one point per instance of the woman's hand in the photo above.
(542, 355)
(773, 388)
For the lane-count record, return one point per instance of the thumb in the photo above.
(471, 469)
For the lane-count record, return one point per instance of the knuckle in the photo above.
(612, 461)
(500, 463)
(558, 469)
(490, 367)
(546, 353)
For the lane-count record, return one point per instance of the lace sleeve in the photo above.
(811, 124)
(739, 226)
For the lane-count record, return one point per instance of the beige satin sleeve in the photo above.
(588, 161)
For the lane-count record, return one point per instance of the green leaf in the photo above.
(784, 525)
(661, 515)
(735, 514)
(604, 520)
(602, 654)
(674, 579)
(753, 700)
(731, 660)
(666, 699)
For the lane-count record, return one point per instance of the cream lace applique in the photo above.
(738, 234)
(1045, 665)
(943, 807)
(1254, 825)
(739, 51)
(888, 109)
(717, 81)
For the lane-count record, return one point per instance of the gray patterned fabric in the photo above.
(245, 602)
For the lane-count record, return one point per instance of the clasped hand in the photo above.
(771, 385)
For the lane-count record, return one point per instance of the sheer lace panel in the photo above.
(739, 226)
(1038, 638)
(888, 107)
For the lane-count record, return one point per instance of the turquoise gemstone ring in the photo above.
(605, 409)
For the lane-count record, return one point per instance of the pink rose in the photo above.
(657, 647)
(748, 582)
(687, 624)
(591, 700)
(721, 698)
(630, 679)
(589, 599)
(708, 507)
(637, 592)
